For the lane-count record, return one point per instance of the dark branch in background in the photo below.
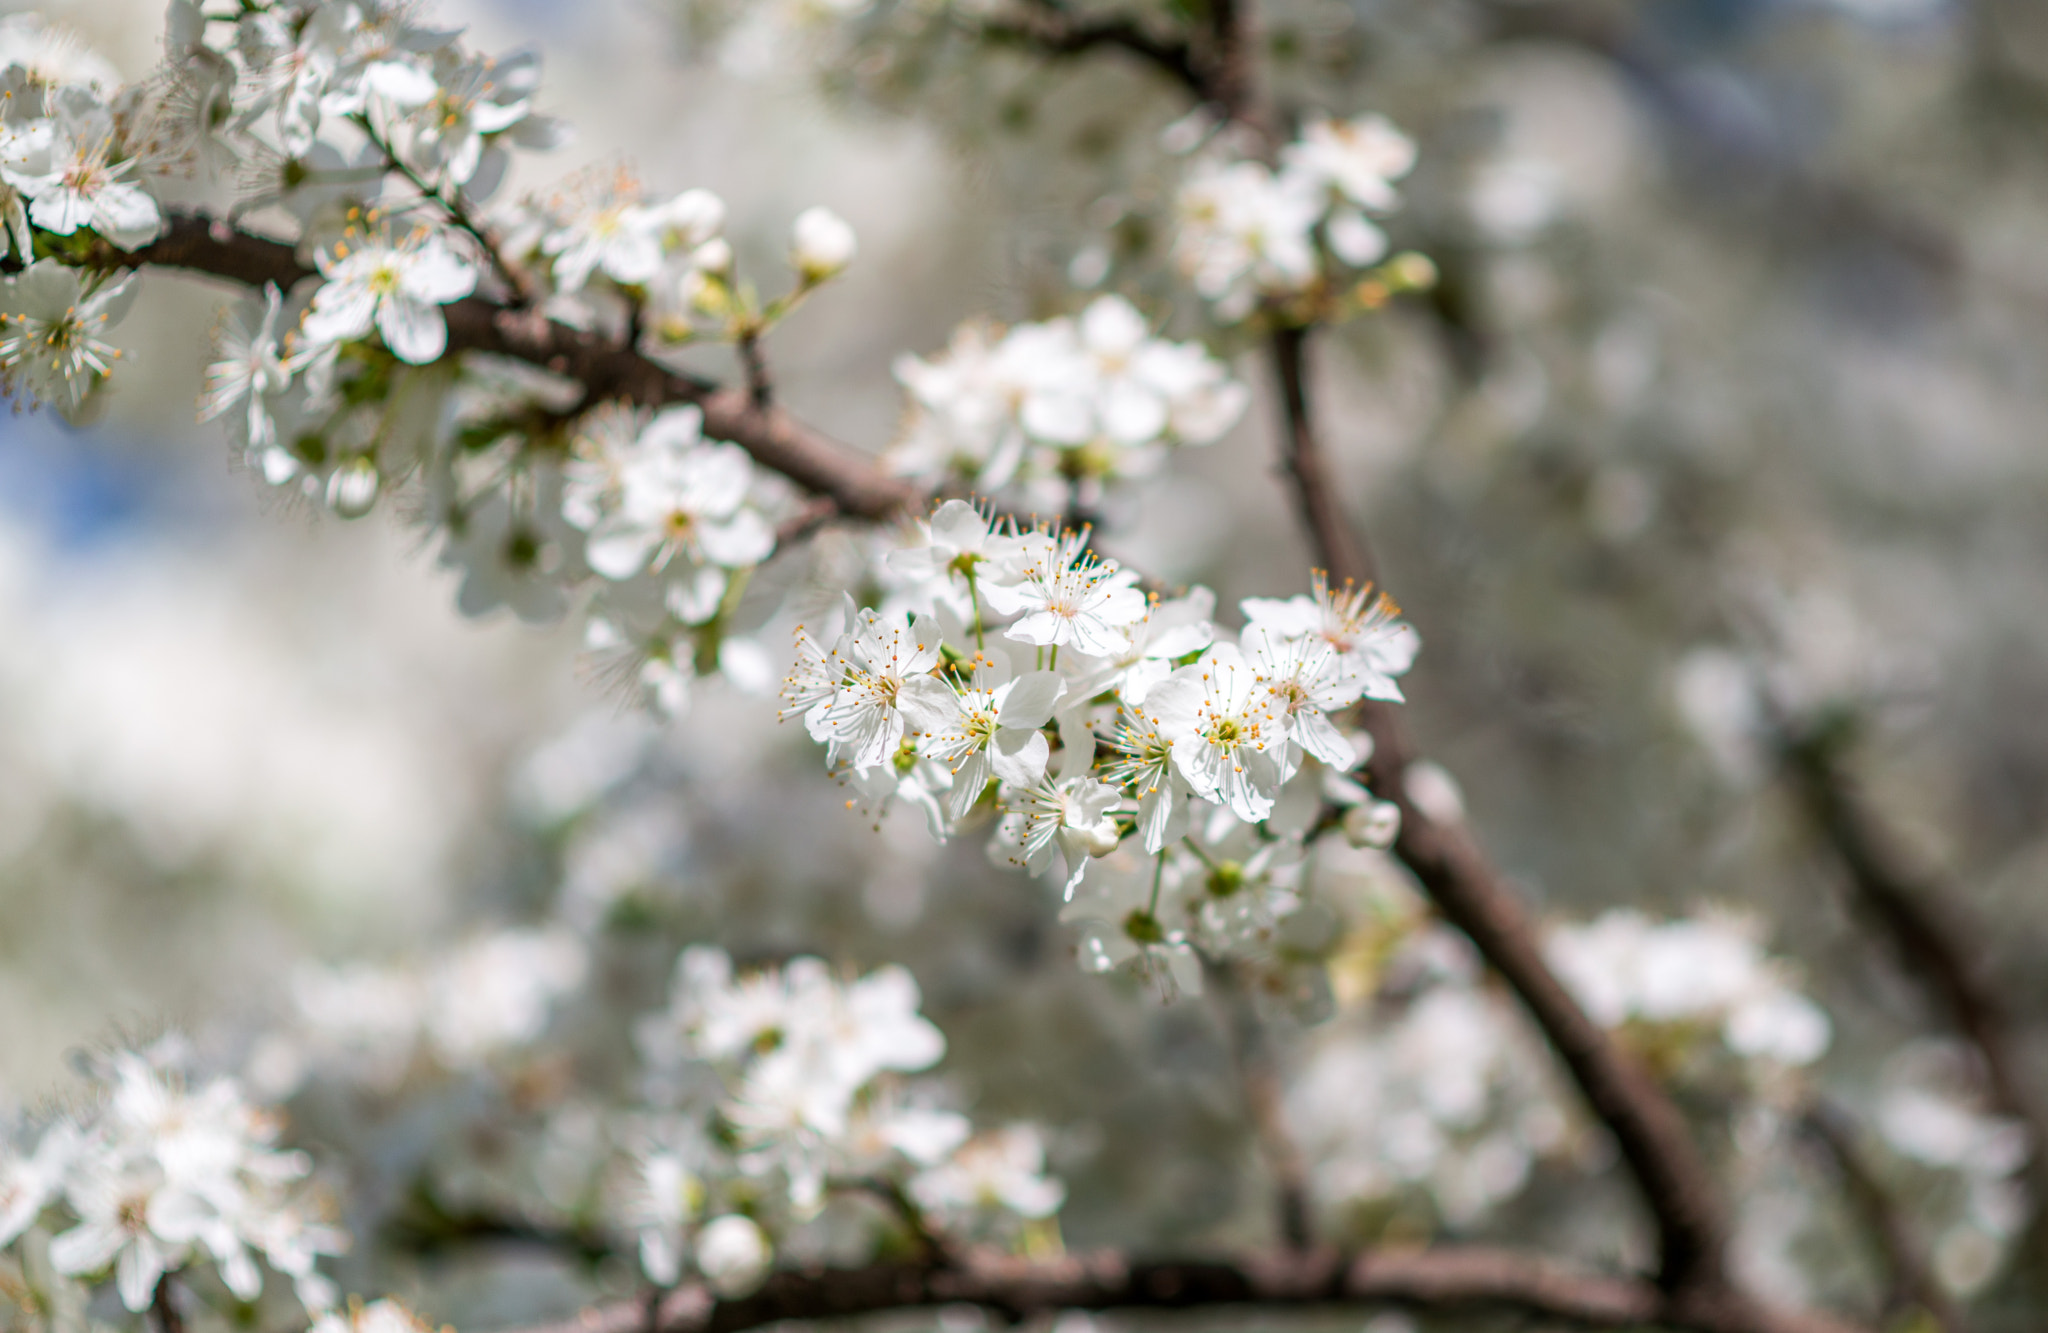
(1450, 1278)
(1660, 1151)
(1258, 1073)
(163, 1307)
(1913, 1285)
(1337, 546)
(1930, 932)
(1046, 27)
(1799, 203)
(1654, 1139)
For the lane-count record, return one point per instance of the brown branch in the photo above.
(1912, 1281)
(163, 1307)
(1447, 1278)
(1675, 1179)
(1928, 929)
(606, 369)
(1050, 30)
(754, 365)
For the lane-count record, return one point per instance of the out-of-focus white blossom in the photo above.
(50, 332)
(1249, 234)
(162, 1175)
(1067, 401)
(821, 245)
(1708, 971)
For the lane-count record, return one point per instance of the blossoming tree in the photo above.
(1187, 780)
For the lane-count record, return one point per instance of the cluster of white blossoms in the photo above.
(1438, 1096)
(161, 1175)
(461, 1007)
(69, 171)
(377, 145)
(1678, 981)
(1061, 406)
(1018, 677)
(793, 1108)
(1929, 1111)
(1252, 235)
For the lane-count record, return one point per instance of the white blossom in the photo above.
(85, 185)
(680, 496)
(250, 367)
(865, 720)
(398, 289)
(821, 244)
(1227, 729)
(51, 342)
(1064, 595)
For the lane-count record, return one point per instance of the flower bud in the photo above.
(714, 256)
(353, 487)
(1102, 837)
(821, 244)
(1372, 824)
(733, 1254)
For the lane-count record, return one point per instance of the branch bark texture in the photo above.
(607, 369)
(1452, 1278)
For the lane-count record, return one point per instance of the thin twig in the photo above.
(1911, 1279)
(522, 284)
(1928, 929)
(932, 1247)
(754, 364)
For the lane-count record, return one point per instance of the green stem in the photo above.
(1196, 848)
(1158, 874)
(974, 596)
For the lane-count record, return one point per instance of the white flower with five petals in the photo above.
(985, 729)
(398, 289)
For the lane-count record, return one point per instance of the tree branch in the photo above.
(1929, 931)
(1049, 30)
(1447, 1278)
(1912, 1281)
(607, 369)
(1654, 1140)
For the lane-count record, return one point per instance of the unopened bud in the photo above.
(1410, 271)
(352, 490)
(714, 256)
(1102, 837)
(821, 244)
(733, 1254)
(1373, 824)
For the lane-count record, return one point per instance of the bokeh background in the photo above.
(1735, 367)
